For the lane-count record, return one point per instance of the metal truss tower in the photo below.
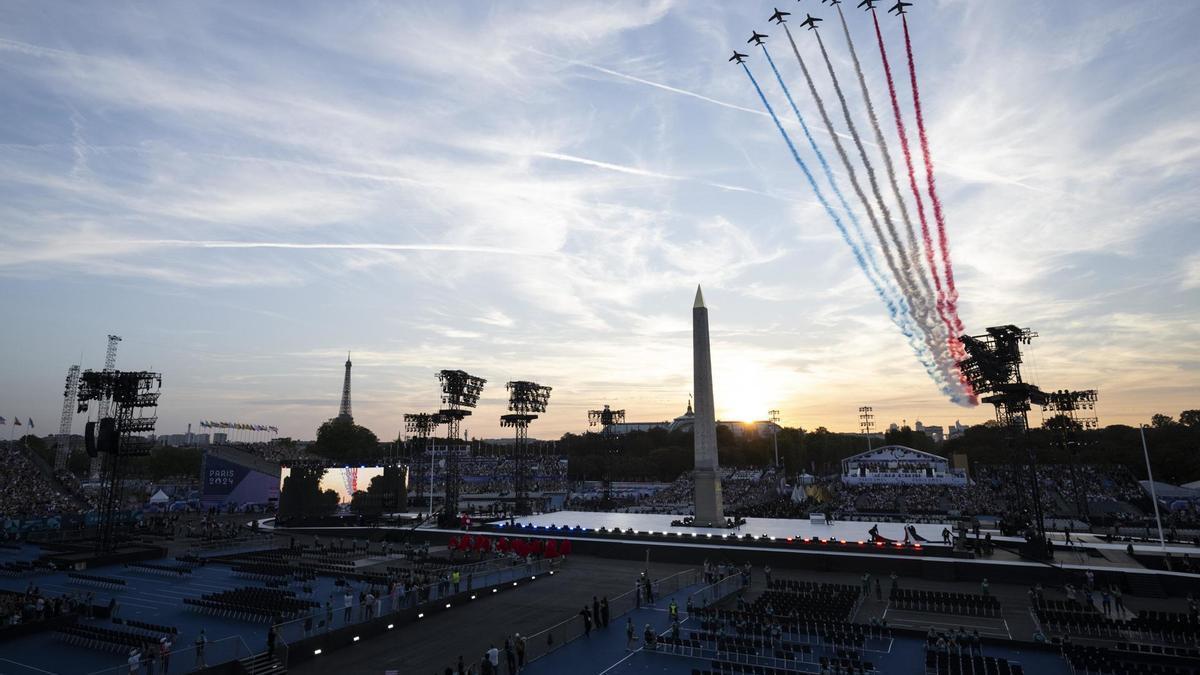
(1071, 413)
(866, 422)
(606, 417)
(70, 391)
(525, 399)
(460, 393)
(993, 367)
(102, 408)
(344, 409)
(133, 397)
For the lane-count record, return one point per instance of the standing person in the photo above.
(520, 651)
(604, 611)
(637, 594)
(587, 621)
(271, 637)
(348, 599)
(149, 656)
(878, 589)
(1118, 602)
(164, 654)
(329, 614)
(984, 587)
(596, 611)
(200, 644)
(630, 634)
(767, 575)
(134, 660)
(370, 602)
(493, 657)
(673, 610)
(510, 656)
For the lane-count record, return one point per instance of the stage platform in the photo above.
(779, 528)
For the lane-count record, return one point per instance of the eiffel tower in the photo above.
(344, 410)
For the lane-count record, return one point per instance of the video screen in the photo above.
(318, 491)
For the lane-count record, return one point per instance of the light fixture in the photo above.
(447, 605)
(316, 652)
(472, 597)
(391, 626)
(421, 615)
(356, 638)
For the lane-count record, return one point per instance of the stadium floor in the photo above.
(153, 599)
(605, 653)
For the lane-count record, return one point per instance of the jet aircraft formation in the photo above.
(907, 261)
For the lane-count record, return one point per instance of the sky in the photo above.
(532, 191)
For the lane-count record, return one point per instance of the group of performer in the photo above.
(481, 545)
(910, 535)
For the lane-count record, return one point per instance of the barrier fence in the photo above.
(189, 659)
(326, 619)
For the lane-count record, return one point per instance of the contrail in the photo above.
(841, 228)
(955, 346)
(216, 244)
(883, 284)
(919, 314)
(943, 240)
(907, 281)
(939, 216)
(883, 148)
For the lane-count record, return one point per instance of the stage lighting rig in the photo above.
(993, 367)
(525, 400)
(1072, 412)
(606, 417)
(460, 394)
(131, 398)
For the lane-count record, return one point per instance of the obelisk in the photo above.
(710, 510)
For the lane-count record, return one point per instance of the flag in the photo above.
(30, 422)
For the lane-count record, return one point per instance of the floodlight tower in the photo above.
(606, 417)
(110, 362)
(866, 422)
(993, 367)
(525, 399)
(1073, 412)
(70, 391)
(133, 397)
(460, 393)
(773, 418)
(423, 425)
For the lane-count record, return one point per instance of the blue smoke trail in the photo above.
(890, 293)
(893, 311)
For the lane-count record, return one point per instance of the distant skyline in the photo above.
(533, 190)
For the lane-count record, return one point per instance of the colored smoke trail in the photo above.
(871, 269)
(887, 155)
(904, 275)
(837, 221)
(938, 214)
(926, 239)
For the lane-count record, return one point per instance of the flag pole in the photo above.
(1153, 496)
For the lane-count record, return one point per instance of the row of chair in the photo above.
(942, 663)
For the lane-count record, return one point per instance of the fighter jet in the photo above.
(811, 21)
(756, 38)
(867, 4)
(737, 56)
(832, 3)
(777, 17)
(898, 8)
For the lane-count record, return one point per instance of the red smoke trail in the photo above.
(951, 299)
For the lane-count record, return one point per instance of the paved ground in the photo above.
(431, 645)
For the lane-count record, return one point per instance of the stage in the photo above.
(778, 528)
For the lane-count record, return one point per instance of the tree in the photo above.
(339, 438)
(1190, 418)
(1161, 421)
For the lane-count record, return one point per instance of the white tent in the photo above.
(160, 497)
